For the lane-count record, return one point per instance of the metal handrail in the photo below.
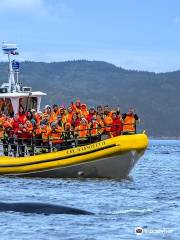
(21, 143)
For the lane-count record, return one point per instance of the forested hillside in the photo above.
(155, 97)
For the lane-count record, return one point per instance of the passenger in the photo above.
(20, 135)
(77, 106)
(7, 126)
(100, 111)
(55, 111)
(22, 115)
(27, 135)
(75, 121)
(107, 121)
(94, 135)
(106, 110)
(101, 124)
(36, 116)
(91, 114)
(117, 125)
(37, 136)
(63, 115)
(129, 121)
(69, 115)
(82, 132)
(47, 114)
(29, 115)
(56, 136)
(2, 121)
(84, 111)
(68, 136)
(45, 132)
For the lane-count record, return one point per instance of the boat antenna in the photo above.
(10, 49)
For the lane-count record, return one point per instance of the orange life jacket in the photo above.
(82, 130)
(45, 133)
(129, 124)
(108, 122)
(55, 135)
(94, 130)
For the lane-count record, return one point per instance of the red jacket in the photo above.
(117, 127)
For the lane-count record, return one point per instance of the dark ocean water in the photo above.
(150, 200)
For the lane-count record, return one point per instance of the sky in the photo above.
(133, 34)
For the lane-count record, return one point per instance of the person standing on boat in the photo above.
(117, 125)
(92, 113)
(84, 110)
(56, 136)
(129, 121)
(82, 132)
(94, 135)
(22, 115)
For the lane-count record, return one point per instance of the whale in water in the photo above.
(40, 208)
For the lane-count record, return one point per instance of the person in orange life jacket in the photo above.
(129, 121)
(2, 120)
(37, 135)
(55, 109)
(92, 112)
(107, 120)
(22, 115)
(77, 106)
(69, 114)
(117, 125)
(101, 124)
(48, 111)
(84, 110)
(56, 136)
(45, 133)
(94, 130)
(82, 132)
(36, 116)
(27, 136)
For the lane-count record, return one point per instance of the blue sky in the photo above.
(133, 34)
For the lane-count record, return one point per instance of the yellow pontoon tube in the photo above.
(110, 158)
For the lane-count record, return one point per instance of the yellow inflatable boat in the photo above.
(110, 158)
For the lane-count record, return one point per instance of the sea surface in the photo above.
(150, 199)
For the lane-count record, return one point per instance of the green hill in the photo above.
(155, 97)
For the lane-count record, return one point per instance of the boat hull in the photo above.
(111, 167)
(111, 158)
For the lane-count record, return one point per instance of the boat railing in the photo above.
(15, 146)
